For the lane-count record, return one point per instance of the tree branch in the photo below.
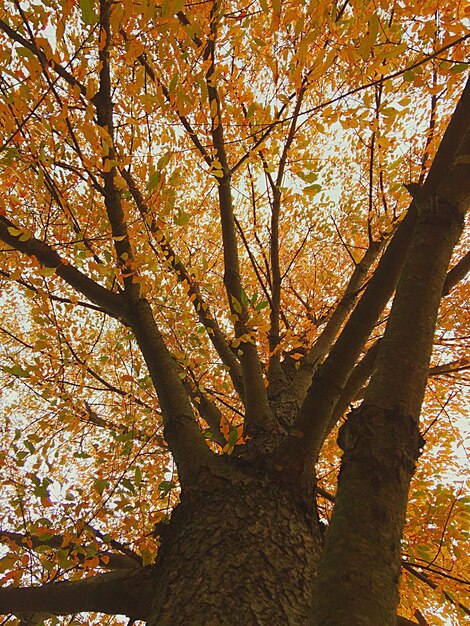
(202, 309)
(116, 593)
(275, 373)
(208, 410)
(258, 412)
(106, 300)
(181, 430)
(430, 583)
(112, 197)
(356, 380)
(382, 438)
(59, 69)
(111, 560)
(315, 355)
(183, 119)
(457, 273)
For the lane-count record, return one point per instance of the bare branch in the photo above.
(116, 593)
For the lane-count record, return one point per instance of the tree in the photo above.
(225, 228)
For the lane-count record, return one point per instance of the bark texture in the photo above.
(242, 550)
(361, 562)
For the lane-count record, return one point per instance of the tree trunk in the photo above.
(242, 550)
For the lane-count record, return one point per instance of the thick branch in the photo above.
(357, 379)
(115, 593)
(449, 175)
(308, 432)
(258, 413)
(108, 301)
(405, 353)
(182, 433)
(112, 197)
(275, 373)
(381, 440)
(364, 369)
(201, 307)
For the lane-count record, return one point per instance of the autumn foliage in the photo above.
(195, 199)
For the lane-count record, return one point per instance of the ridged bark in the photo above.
(238, 551)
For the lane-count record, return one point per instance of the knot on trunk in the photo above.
(387, 437)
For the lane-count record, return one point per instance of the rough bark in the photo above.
(240, 550)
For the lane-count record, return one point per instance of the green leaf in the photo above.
(232, 437)
(41, 491)
(24, 52)
(389, 111)
(137, 476)
(16, 232)
(261, 305)
(163, 161)
(7, 563)
(395, 51)
(182, 219)
(100, 485)
(312, 189)
(128, 484)
(459, 67)
(236, 305)
(165, 487)
(16, 370)
(147, 557)
(154, 179)
(89, 15)
(47, 271)
(81, 455)
(173, 83)
(29, 446)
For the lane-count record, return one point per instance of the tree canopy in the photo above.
(205, 210)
